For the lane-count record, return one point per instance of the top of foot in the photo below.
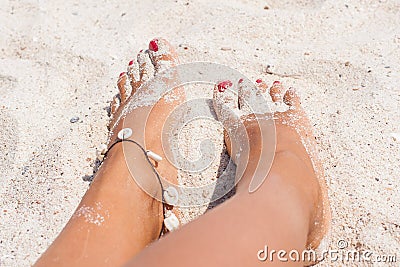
(293, 132)
(144, 108)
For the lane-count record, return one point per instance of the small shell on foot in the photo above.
(101, 151)
(154, 156)
(171, 196)
(125, 133)
(171, 222)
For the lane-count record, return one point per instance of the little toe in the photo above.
(277, 91)
(114, 105)
(124, 87)
(162, 54)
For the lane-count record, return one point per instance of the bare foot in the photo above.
(115, 208)
(138, 108)
(295, 162)
(295, 134)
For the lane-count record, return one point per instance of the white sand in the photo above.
(60, 60)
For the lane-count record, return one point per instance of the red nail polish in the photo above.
(276, 83)
(141, 51)
(258, 81)
(222, 86)
(131, 63)
(241, 80)
(121, 74)
(153, 45)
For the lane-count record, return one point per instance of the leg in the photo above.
(289, 211)
(116, 219)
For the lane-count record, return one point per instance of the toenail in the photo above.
(153, 45)
(258, 81)
(131, 63)
(141, 50)
(122, 74)
(153, 155)
(125, 133)
(276, 82)
(222, 86)
(171, 222)
(241, 80)
(171, 196)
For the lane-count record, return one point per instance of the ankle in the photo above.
(115, 178)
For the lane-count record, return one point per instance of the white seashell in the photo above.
(103, 149)
(125, 133)
(171, 196)
(171, 222)
(153, 156)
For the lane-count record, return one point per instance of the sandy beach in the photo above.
(61, 60)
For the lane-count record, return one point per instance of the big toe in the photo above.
(162, 54)
(225, 102)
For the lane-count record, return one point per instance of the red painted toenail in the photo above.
(222, 86)
(153, 45)
(241, 80)
(258, 81)
(131, 63)
(121, 74)
(276, 82)
(141, 51)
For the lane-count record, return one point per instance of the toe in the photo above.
(224, 95)
(124, 87)
(114, 104)
(225, 102)
(162, 54)
(277, 91)
(146, 68)
(292, 98)
(251, 99)
(133, 74)
(262, 86)
(246, 92)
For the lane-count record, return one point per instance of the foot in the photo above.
(295, 147)
(115, 208)
(129, 109)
